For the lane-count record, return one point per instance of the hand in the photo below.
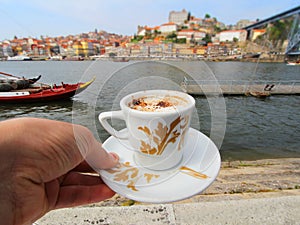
(41, 168)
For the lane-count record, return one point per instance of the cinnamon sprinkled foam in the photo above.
(157, 103)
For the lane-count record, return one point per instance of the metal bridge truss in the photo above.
(294, 37)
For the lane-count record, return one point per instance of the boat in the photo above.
(56, 58)
(251, 55)
(294, 63)
(122, 59)
(39, 92)
(19, 58)
(259, 94)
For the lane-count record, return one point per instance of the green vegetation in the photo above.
(112, 54)
(128, 203)
(279, 31)
(230, 164)
(207, 38)
(276, 34)
(273, 39)
(180, 41)
(136, 38)
(235, 40)
(171, 36)
(217, 29)
(207, 16)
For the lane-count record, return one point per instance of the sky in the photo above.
(36, 18)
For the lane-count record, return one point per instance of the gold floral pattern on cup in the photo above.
(162, 136)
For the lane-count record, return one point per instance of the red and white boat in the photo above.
(41, 92)
(293, 63)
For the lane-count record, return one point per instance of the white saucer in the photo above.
(198, 169)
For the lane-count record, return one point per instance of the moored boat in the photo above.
(258, 94)
(120, 59)
(19, 58)
(251, 55)
(39, 92)
(293, 63)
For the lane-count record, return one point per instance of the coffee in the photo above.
(157, 103)
(157, 122)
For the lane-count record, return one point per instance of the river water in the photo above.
(245, 128)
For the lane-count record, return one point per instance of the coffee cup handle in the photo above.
(104, 116)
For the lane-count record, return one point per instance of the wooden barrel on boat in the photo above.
(5, 87)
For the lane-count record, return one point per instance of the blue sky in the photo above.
(34, 18)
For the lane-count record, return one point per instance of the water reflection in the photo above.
(265, 128)
(59, 110)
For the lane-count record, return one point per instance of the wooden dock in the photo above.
(248, 88)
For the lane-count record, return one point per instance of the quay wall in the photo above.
(247, 90)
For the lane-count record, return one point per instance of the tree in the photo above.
(217, 29)
(172, 35)
(207, 38)
(137, 38)
(207, 16)
(156, 33)
(278, 32)
(181, 41)
(112, 54)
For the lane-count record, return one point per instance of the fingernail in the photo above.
(115, 156)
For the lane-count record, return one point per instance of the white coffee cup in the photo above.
(157, 122)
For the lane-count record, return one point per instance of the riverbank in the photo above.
(242, 180)
(263, 59)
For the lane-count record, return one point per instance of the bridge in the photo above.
(294, 35)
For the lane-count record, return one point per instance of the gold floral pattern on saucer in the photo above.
(198, 169)
(193, 173)
(130, 175)
(126, 173)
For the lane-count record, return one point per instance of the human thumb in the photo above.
(92, 150)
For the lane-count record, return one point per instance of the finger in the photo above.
(85, 167)
(71, 196)
(101, 159)
(52, 152)
(58, 149)
(92, 150)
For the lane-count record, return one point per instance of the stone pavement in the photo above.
(258, 192)
(278, 210)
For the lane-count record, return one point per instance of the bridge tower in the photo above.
(293, 47)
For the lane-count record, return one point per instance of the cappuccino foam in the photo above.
(157, 103)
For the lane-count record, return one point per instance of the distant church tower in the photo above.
(178, 17)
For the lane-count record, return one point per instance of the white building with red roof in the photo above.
(168, 27)
(230, 35)
(191, 34)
